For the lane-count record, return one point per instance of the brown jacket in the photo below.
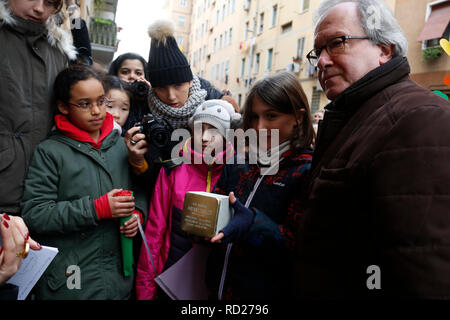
(379, 193)
(31, 55)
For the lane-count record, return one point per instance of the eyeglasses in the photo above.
(87, 106)
(333, 46)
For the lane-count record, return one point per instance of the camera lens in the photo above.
(140, 89)
(160, 137)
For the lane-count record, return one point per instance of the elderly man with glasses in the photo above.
(378, 220)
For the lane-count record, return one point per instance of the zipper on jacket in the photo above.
(208, 179)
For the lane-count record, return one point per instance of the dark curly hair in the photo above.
(67, 78)
(117, 63)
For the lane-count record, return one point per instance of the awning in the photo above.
(437, 22)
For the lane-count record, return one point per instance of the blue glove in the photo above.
(263, 229)
(239, 224)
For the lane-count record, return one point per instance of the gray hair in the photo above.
(376, 19)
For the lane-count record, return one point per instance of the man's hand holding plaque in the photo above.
(238, 226)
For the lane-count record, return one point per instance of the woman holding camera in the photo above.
(174, 95)
(132, 68)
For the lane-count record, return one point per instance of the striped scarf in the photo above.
(178, 117)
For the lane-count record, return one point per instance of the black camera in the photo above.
(139, 88)
(157, 131)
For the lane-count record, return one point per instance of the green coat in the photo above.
(31, 55)
(64, 179)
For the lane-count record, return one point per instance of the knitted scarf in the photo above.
(178, 117)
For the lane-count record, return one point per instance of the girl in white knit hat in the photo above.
(205, 157)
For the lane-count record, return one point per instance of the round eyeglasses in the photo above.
(87, 106)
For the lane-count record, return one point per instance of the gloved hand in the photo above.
(239, 224)
(263, 229)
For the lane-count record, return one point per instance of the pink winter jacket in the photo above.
(169, 192)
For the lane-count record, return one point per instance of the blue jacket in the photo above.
(259, 262)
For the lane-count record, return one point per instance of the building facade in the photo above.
(429, 64)
(235, 42)
(180, 12)
(100, 16)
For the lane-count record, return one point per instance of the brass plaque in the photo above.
(200, 213)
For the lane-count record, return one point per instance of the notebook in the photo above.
(32, 268)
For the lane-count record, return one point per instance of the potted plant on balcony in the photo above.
(432, 53)
(99, 5)
(297, 59)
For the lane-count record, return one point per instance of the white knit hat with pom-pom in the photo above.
(218, 113)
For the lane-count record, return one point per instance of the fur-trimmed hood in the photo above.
(57, 37)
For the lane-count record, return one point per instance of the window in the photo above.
(300, 47)
(436, 42)
(256, 66)
(180, 41)
(225, 37)
(230, 36)
(220, 41)
(261, 23)
(223, 12)
(247, 5)
(246, 30)
(269, 59)
(215, 46)
(204, 51)
(222, 70)
(286, 27)
(227, 69)
(315, 100)
(233, 5)
(437, 24)
(304, 5)
(212, 73)
(242, 67)
(217, 71)
(217, 16)
(183, 3)
(181, 21)
(274, 15)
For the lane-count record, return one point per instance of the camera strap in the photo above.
(146, 246)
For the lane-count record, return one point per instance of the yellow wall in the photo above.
(175, 11)
(284, 45)
(410, 13)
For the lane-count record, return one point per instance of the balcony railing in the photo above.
(103, 32)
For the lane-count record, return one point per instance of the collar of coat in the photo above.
(70, 130)
(56, 36)
(369, 85)
(339, 111)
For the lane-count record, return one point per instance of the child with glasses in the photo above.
(69, 193)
